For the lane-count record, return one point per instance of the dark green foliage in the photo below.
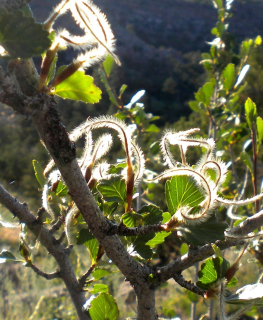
(21, 36)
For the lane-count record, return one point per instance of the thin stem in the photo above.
(254, 178)
(48, 276)
(233, 162)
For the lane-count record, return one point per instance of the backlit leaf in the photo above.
(251, 112)
(77, 87)
(181, 191)
(85, 237)
(108, 64)
(212, 270)
(102, 307)
(113, 189)
(228, 76)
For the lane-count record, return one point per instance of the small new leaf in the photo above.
(251, 112)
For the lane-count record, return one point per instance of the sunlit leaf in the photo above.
(131, 219)
(251, 112)
(158, 238)
(100, 273)
(212, 270)
(102, 307)
(122, 89)
(77, 87)
(135, 98)
(99, 288)
(252, 293)
(85, 237)
(21, 36)
(182, 191)
(228, 76)
(62, 189)
(52, 70)
(113, 189)
(260, 131)
(242, 74)
(258, 41)
(108, 64)
(152, 128)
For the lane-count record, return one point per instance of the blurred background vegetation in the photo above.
(159, 44)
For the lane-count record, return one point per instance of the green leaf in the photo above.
(39, 173)
(208, 90)
(166, 217)
(194, 105)
(233, 281)
(181, 191)
(229, 76)
(21, 36)
(77, 87)
(158, 238)
(258, 41)
(117, 169)
(113, 189)
(52, 70)
(252, 293)
(62, 190)
(102, 307)
(212, 270)
(260, 131)
(108, 64)
(151, 214)
(218, 4)
(97, 288)
(6, 256)
(251, 112)
(85, 237)
(100, 273)
(131, 219)
(122, 89)
(152, 128)
(248, 162)
(183, 249)
(206, 232)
